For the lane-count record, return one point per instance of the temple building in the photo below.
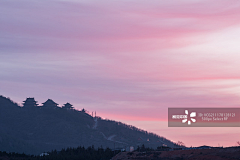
(30, 102)
(67, 106)
(49, 104)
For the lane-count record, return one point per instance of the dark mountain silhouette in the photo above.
(34, 129)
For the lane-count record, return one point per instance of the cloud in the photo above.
(125, 59)
(110, 27)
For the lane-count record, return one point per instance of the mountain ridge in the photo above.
(34, 129)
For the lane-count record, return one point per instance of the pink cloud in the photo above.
(129, 60)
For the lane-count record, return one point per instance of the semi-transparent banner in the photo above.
(203, 117)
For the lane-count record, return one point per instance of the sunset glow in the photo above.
(127, 60)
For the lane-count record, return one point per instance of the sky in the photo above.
(128, 60)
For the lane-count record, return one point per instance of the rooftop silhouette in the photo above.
(30, 102)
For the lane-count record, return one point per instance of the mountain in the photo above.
(34, 129)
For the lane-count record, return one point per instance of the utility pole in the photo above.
(114, 147)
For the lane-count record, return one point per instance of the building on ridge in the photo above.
(67, 106)
(30, 102)
(50, 104)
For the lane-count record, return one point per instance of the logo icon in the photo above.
(193, 114)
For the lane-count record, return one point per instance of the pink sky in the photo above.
(127, 60)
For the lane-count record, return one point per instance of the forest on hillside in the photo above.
(34, 129)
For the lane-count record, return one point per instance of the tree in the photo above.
(83, 110)
(181, 144)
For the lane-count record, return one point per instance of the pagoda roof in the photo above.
(67, 105)
(30, 100)
(49, 102)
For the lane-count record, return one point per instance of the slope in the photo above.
(37, 129)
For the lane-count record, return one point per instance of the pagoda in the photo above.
(50, 104)
(67, 106)
(30, 102)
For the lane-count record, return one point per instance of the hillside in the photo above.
(36, 129)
